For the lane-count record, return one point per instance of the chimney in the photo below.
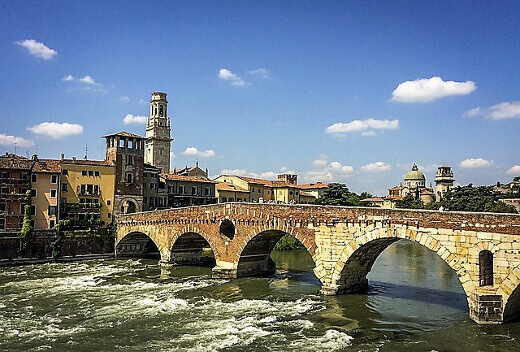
(62, 157)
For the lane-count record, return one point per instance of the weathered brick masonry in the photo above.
(483, 248)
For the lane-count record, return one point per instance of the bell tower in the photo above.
(158, 141)
(443, 181)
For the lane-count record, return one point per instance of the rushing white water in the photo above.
(132, 305)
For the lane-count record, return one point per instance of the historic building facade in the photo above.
(14, 183)
(126, 151)
(45, 192)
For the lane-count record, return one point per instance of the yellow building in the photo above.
(87, 189)
(315, 189)
(45, 192)
(262, 191)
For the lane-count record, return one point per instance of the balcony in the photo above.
(82, 206)
(13, 196)
(14, 181)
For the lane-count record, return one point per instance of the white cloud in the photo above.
(142, 101)
(501, 111)
(124, 99)
(11, 140)
(135, 119)
(268, 175)
(38, 49)
(378, 166)
(88, 80)
(192, 151)
(361, 125)
(368, 133)
(425, 90)
(261, 72)
(475, 163)
(235, 80)
(322, 161)
(515, 170)
(56, 130)
(328, 171)
(85, 80)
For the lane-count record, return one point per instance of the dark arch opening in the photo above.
(192, 249)
(485, 268)
(256, 259)
(512, 307)
(227, 228)
(137, 244)
(128, 207)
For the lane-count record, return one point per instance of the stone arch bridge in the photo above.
(482, 248)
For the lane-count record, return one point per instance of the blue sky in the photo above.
(353, 92)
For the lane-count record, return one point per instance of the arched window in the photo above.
(485, 263)
(161, 110)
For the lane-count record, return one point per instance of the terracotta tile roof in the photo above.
(87, 162)
(225, 186)
(396, 188)
(317, 185)
(394, 198)
(258, 181)
(373, 199)
(13, 161)
(149, 167)
(306, 194)
(124, 134)
(173, 177)
(47, 166)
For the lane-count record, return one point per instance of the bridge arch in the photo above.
(358, 257)
(190, 248)
(255, 256)
(136, 244)
(510, 291)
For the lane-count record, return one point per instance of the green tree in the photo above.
(338, 194)
(409, 202)
(479, 199)
(26, 231)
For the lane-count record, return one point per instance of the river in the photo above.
(415, 302)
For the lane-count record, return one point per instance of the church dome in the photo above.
(414, 175)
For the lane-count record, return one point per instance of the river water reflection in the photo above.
(415, 302)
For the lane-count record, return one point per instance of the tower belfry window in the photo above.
(161, 110)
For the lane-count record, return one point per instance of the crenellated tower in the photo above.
(158, 140)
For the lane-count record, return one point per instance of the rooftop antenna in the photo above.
(86, 151)
(15, 145)
(36, 149)
(27, 153)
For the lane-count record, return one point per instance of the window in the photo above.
(53, 193)
(53, 209)
(33, 209)
(145, 174)
(195, 190)
(91, 173)
(161, 110)
(54, 179)
(34, 178)
(2, 224)
(64, 187)
(130, 144)
(152, 185)
(145, 200)
(2, 207)
(5, 175)
(130, 160)
(129, 178)
(485, 263)
(224, 199)
(96, 189)
(121, 143)
(96, 173)
(52, 223)
(208, 191)
(181, 189)
(4, 190)
(65, 172)
(108, 201)
(290, 192)
(33, 193)
(84, 173)
(109, 215)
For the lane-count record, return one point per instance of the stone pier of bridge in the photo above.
(344, 242)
